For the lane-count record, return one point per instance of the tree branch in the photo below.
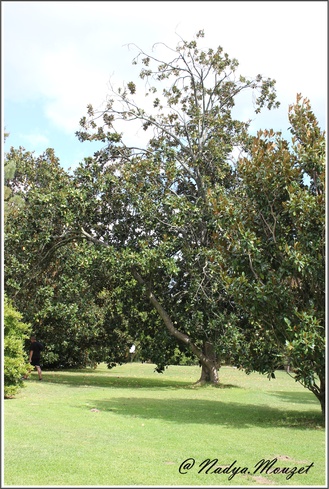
(168, 322)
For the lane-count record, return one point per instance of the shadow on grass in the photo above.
(297, 397)
(191, 410)
(79, 380)
(82, 378)
(236, 415)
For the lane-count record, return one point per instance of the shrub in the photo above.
(15, 358)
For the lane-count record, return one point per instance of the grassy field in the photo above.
(130, 426)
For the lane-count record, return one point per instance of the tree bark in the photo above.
(208, 363)
(209, 373)
(321, 395)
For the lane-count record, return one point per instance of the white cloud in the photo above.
(36, 139)
(63, 53)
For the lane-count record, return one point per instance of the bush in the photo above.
(15, 358)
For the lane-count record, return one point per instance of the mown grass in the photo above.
(130, 426)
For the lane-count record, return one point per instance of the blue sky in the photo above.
(57, 57)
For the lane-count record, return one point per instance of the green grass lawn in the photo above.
(130, 426)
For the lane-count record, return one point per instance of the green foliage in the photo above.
(15, 359)
(11, 201)
(272, 253)
(41, 272)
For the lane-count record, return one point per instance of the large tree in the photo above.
(150, 206)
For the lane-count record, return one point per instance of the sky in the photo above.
(58, 57)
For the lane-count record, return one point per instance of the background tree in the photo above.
(60, 284)
(9, 197)
(48, 291)
(272, 254)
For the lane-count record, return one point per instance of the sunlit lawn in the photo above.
(130, 426)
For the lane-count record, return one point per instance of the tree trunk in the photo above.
(321, 395)
(207, 357)
(322, 399)
(209, 370)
